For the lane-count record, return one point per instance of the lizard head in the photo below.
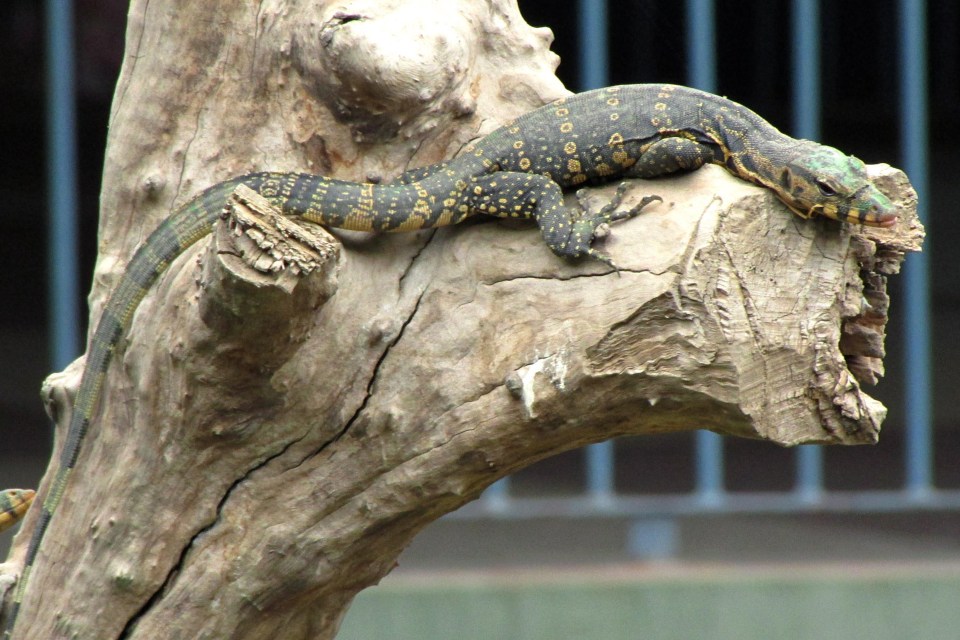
(822, 181)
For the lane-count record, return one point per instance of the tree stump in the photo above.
(290, 408)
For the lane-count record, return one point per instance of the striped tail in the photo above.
(183, 228)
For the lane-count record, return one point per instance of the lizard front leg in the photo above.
(670, 155)
(569, 233)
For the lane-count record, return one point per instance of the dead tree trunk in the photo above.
(269, 441)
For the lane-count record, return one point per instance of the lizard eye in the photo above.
(825, 189)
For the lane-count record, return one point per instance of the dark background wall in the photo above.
(861, 116)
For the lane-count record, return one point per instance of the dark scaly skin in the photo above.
(519, 170)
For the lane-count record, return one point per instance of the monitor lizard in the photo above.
(519, 170)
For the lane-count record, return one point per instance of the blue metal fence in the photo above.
(809, 493)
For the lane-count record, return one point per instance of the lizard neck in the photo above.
(752, 149)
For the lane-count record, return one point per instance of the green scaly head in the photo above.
(822, 181)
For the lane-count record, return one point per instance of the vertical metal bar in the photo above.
(805, 31)
(702, 72)
(809, 479)
(62, 253)
(497, 495)
(594, 73)
(600, 485)
(914, 144)
(806, 68)
(709, 452)
(809, 487)
(702, 44)
(594, 48)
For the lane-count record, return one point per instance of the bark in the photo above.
(285, 415)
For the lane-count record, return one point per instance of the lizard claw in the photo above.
(582, 195)
(616, 216)
(594, 227)
(607, 215)
(604, 258)
(608, 209)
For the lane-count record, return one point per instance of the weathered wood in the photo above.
(266, 447)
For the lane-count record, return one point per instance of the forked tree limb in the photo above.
(286, 413)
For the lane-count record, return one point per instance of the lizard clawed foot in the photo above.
(626, 214)
(604, 258)
(608, 213)
(597, 226)
(582, 195)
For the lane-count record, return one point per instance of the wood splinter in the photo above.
(271, 242)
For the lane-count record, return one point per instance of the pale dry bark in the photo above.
(268, 443)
